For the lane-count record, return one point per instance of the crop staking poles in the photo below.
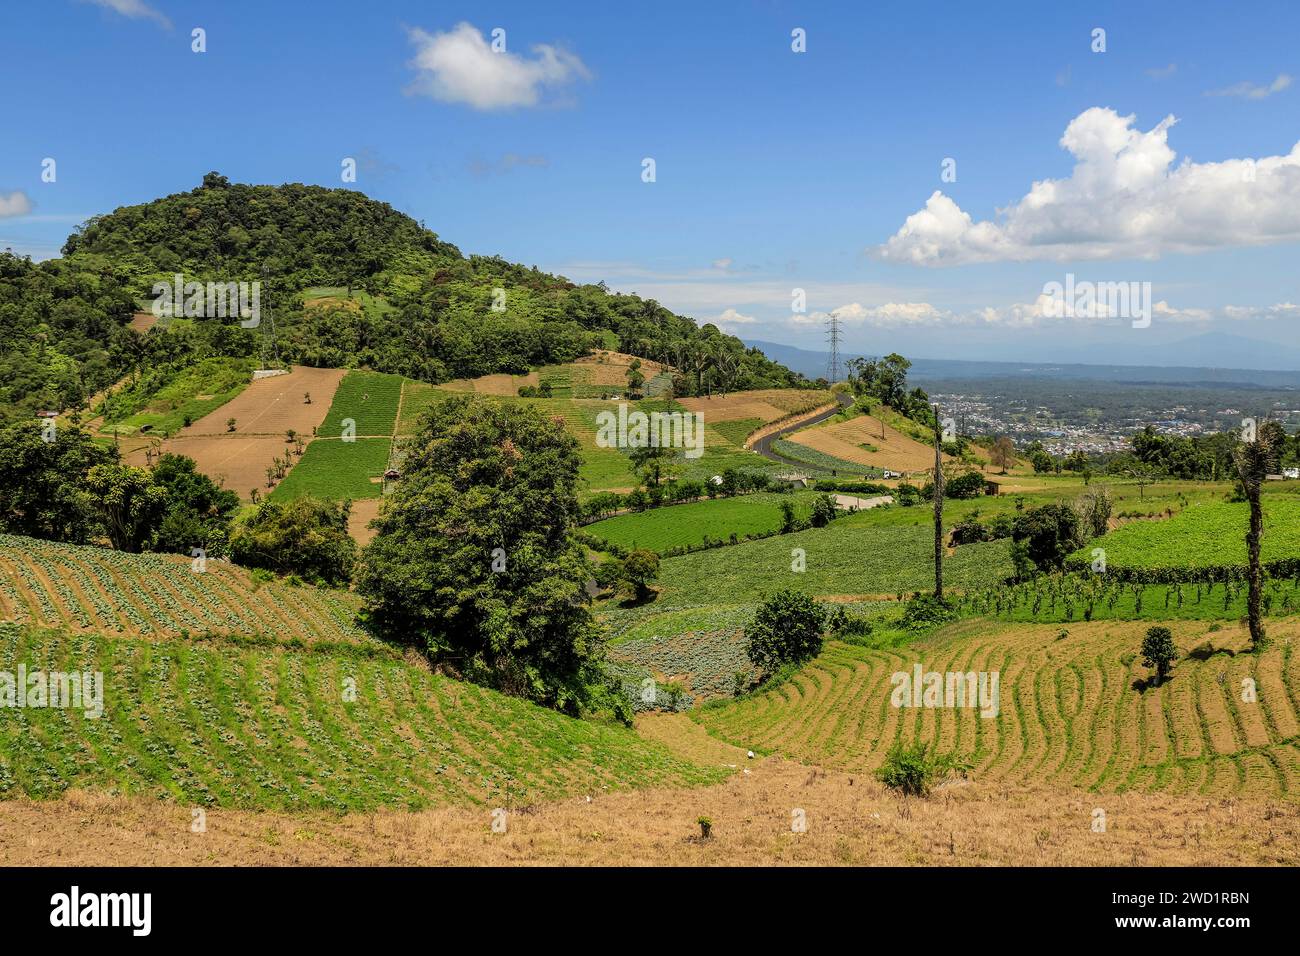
(938, 508)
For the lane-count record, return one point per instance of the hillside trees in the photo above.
(476, 558)
(43, 490)
(130, 503)
(427, 311)
(56, 322)
(198, 511)
(305, 536)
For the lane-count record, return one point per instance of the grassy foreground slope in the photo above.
(1069, 712)
(226, 724)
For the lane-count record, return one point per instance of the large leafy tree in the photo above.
(1048, 534)
(884, 379)
(476, 558)
(787, 629)
(43, 491)
(131, 504)
(199, 510)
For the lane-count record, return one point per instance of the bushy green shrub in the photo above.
(787, 628)
(925, 612)
(912, 770)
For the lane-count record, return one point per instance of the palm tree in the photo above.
(1254, 458)
(725, 363)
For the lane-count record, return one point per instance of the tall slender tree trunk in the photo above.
(938, 507)
(1256, 572)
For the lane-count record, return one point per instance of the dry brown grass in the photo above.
(500, 385)
(850, 820)
(142, 322)
(768, 404)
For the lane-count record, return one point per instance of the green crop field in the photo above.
(846, 557)
(370, 399)
(735, 432)
(223, 724)
(1200, 539)
(818, 460)
(1096, 597)
(156, 595)
(677, 526)
(192, 392)
(336, 469)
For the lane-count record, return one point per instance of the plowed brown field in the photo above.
(844, 440)
(263, 412)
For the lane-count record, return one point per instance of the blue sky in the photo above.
(774, 170)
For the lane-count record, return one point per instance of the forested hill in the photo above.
(300, 235)
(417, 305)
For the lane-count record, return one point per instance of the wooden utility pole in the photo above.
(938, 506)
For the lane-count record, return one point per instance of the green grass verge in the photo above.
(335, 469)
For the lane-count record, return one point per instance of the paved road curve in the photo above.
(764, 445)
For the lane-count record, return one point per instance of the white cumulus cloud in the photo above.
(135, 9)
(732, 317)
(892, 314)
(1124, 198)
(14, 204)
(460, 66)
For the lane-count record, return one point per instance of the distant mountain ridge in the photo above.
(813, 364)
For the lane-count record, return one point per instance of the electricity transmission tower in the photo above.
(833, 339)
(269, 352)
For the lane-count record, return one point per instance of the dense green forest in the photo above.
(413, 304)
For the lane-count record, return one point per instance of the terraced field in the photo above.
(96, 589)
(1069, 713)
(212, 724)
(767, 404)
(866, 442)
